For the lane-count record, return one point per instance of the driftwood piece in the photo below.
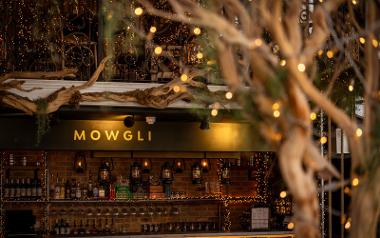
(39, 75)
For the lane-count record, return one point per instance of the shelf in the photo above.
(20, 167)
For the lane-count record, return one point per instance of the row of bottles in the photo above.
(22, 188)
(75, 190)
(83, 227)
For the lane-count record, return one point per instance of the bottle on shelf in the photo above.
(39, 188)
(28, 188)
(62, 229)
(52, 186)
(73, 189)
(33, 188)
(68, 190)
(22, 188)
(17, 188)
(102, 192)
(57, 189)
(62, 190)
(90, 187)
(12, 189)
(78, 191)
(95, 191)
(74, 231)
(56, 227)
(6, 188)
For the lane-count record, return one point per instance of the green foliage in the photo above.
(274, 85)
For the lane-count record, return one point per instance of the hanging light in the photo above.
(226, 173)
(196, 173)
(129, 121)
(146, 165)
(80, 163)
(167, 173)
(179, 165)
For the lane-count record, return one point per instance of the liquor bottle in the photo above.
(102, 192)
(84, 192)
(22, 188)
(12, 189)
(6, 188)
(56, 227)
(67, 228)
(95, 191)
(17, 189)
(34, 188)
(52, 186)
(90, 188)
(57, 189)
(28, 188)
(87, 228)
(73, 189)
(75, 228)
(112, 192)
(62, 190)
(62, 228)
(81, 230)
(78, 192)
(94, 229)
(39, 188)
(68, 189)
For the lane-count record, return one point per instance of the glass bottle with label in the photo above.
(102, 192)
(90, 188)
(78, 192)
(28, 188)
(12, 189)
(34, 188)
(95, 191)
(39, 188)
(23, 188)
(62, 190)
(57, 189)
(68, 190)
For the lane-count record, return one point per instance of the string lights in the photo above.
(197, 31)
(138, 11)
(301, 67)
(158, 50)
(229, 95)
(313, 116)
(184, 77)
(282, 62)
(153, 29)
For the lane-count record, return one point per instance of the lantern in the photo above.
(135, 172)
(104, 173)
(226, 173)
(80, 164)
(196, 173)
(167, 173)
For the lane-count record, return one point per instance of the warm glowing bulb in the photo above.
(375, 43)
(313, 116)
(347, 225)
(359, 132)
(283, 194)
(158, 50)
(323, 140)
(301, 67)
(320, 52)
(276, 106)
(214, 112)
(145, 164)
(199, 55)
(355, 182)
(176, 88)
(283, 62)
(138, 11)
(228, 95)
(350, 87)
(347, 190)
(276, 113)
(153, 29)
(362, 40)
(184, 77)
(258, 42)
(354, 2)
(330, 54)
(290, 225)
(197, 31)
(211, 62)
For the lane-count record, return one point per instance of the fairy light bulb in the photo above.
(354, 2)
(282, 62)
(276, 106)
(276, 113)
(184, 77)
(214, 112)
(229, 95)
(320, 52)
(375, 43)
(323, 140)
(258, 42)
(199, 55)
(355, 182)
(153, 29)
(138, 11)
(197, 31)
(290, 226)
(158, 50)
(330, 54)
(313, 116)
(362, 40)
(358, 132)
(176, 89)
(283, 194)
(351, 87)
(301, 67)
(347, 225)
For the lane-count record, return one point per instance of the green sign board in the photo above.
(113, 135)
